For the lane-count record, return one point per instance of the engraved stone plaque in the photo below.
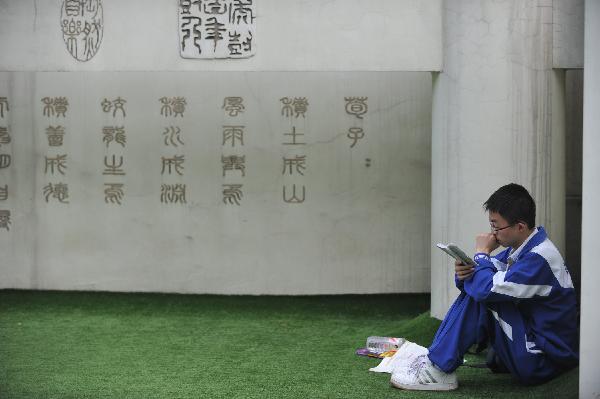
(82, 25)
(217, 28)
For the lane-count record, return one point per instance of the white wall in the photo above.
(365, 224)
(364, 227)
(498, 117)
(292, 35)
(567, 36)
(589, 384)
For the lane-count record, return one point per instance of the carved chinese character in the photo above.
(300, 105)
(166, 109)
(92, 6)
(172, 193)
(176, 162)
(236, 45)
(247, 44)
(185, 6)
(113, 167)
(3, 104)
(172, 136)
(55, 135)
(59, 163)
(233, 105)
(178, 105)
(214, 31)
(232, 193)
(4, 193)
(293, 199)
(5, 160)
(297, 106)
(356, 106)
(4, 136)
(48, 106)
(73, 8)
(241, 11)
(56, 105)
(287, 110)
(114, 133)
(60, 105)
(5, 219)
(190, 25)
(294, 136)
(234, 162)
(106, 105)
(215, 7)
(113, 193)
(233, 133)
(299, 163)
(355, 134)
(59, 191)
(118, 104)
(172, 105)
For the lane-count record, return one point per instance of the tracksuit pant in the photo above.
(469, 322)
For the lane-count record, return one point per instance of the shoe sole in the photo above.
(425, 387)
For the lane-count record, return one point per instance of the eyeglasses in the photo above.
(497, 229)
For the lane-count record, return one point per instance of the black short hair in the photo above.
(513, 203)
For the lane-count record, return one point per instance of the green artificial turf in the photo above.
(105, 345)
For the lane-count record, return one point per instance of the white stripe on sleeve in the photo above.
(548, 251)
(499, 265)
(516, 290)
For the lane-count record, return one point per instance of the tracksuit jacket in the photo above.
(523, 302)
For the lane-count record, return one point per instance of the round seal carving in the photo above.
(82, 25)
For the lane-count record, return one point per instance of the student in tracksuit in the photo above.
(521, 301)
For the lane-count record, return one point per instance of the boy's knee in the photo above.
(533, 371)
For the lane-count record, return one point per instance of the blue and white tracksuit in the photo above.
(523, 303)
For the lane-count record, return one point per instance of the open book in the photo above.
(457, 253)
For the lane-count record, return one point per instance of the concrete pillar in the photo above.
(498, 117)
(589, 383)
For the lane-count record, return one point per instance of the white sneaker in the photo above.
(403, 357)
(422, 375)
(407, 353)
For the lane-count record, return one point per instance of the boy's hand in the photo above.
(463, 271)
(486, 243)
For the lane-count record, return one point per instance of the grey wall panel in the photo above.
(143, 35)
(363, 226)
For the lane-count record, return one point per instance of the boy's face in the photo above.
(505, 233)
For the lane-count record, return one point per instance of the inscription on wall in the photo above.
(273, 142)
(115, 138)
(292, 110)
(231, 159)
(82, 26)
(173, 188)
(5, 160)
(56, 186)
(217, 28)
